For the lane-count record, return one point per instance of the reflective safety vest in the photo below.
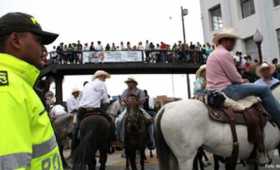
(27, 140)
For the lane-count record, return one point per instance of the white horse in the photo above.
(182, 127)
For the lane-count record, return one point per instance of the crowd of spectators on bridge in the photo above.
(162, 52)
(196, 53)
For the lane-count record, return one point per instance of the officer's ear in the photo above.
(16, 40)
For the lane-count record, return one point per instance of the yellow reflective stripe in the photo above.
(44, 148)
(15, 161)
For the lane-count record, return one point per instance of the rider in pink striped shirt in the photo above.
(222, 75)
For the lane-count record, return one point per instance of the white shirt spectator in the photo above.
(122, 47)
(86, 48)
(147, 46)
(94, 93)
(268, 83)
(99, 47)
(140, 47)
(73, 104)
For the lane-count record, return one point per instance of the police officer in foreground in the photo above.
(27, 138)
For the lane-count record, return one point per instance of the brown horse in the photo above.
(136, 134)
(96, 135)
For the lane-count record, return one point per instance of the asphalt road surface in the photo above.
(116, 162)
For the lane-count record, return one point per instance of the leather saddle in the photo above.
(248, 111)
(87, 112)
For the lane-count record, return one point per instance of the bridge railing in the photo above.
(142, 56)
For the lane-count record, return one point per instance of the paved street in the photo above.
(116, 162)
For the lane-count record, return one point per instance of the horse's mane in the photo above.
(275, 86)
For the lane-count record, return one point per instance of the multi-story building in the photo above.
(245, 16)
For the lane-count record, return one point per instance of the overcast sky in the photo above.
(115, 21)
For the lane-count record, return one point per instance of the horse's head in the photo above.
(134, 116)
(133, 104)
(276, 91)
(64, 124)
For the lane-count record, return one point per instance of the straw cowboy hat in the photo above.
(225, 33)
(265, 66)
(200, 70)
(131, 80)
(99, 73)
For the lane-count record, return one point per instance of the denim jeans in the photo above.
(239, 91)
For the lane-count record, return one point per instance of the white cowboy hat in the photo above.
(225, 33)
(99, 73)
(75, 90)
(131, 80)
(200, 70)
(264, 66)
(57, 110)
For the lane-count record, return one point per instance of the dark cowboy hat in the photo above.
(21, 22)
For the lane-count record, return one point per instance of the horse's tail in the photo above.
(167, 160)
(83, 152)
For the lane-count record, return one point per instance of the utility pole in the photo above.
(185, 12)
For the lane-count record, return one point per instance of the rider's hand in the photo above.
(245, 81)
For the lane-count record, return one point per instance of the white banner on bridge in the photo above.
(112, 56)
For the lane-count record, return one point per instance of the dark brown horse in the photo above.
(96, 134)
(135, 135)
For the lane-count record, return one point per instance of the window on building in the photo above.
(250, 47)
(247, 8)
(276, 2)
(278, 37)
(216, 18)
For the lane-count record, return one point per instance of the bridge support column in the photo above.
(189, 85)
(58, 89)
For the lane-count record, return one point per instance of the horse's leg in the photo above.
(60, 148)
(91, 161)
(186, 164)
(200, 160)
(142, 160)
(230, 165)
(127, 158)
(185, 160)
(151, 153)
(145, 157)
(92, 164)
(132, 159)
(195, 162)
(103, 159)
(216, 162)
(127, 163)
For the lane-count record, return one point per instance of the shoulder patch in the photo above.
(4, 80)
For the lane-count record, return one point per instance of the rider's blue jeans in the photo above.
(239, 91)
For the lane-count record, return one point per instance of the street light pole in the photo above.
(258, 38)
(185, 12)
(183, 23)
(259, 46)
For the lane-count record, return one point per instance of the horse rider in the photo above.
(133, 90)
(265, 71)
(73, 101)
(222, 75)
(200, 82)
(28, 140)
(94, 96)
